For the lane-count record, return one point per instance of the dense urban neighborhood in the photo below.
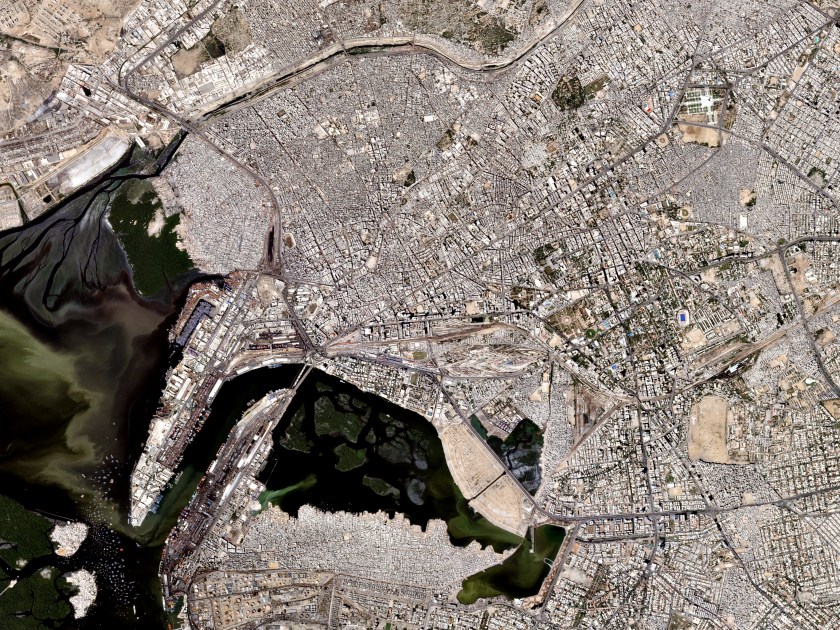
(594, 245)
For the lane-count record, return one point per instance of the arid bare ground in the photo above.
(707, 430)
(482, 479)
(42, 39)
(700, 135)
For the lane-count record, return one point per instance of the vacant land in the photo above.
(482, 479)
(472, 466)
(696, 134)
(501, 504)
(707, 430)
(41, 38)
(832, 407)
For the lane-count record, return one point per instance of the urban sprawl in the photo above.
(616, 220)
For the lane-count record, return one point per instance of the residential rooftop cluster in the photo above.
(616, 221)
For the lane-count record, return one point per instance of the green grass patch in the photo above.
(568, 94)
(479, 428)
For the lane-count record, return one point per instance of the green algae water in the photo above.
(55, 413)
(520, 575)
(274, 497)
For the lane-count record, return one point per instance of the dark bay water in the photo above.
(83, 359)
(339, 448)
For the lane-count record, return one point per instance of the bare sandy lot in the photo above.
(693, 133)
(90, 164)
(798, 266)
(694, 339)
(746, 196)
(481, 479)
(832, 407)
(707, 430)
(501, 504)
(473, 468)
(187, 61)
